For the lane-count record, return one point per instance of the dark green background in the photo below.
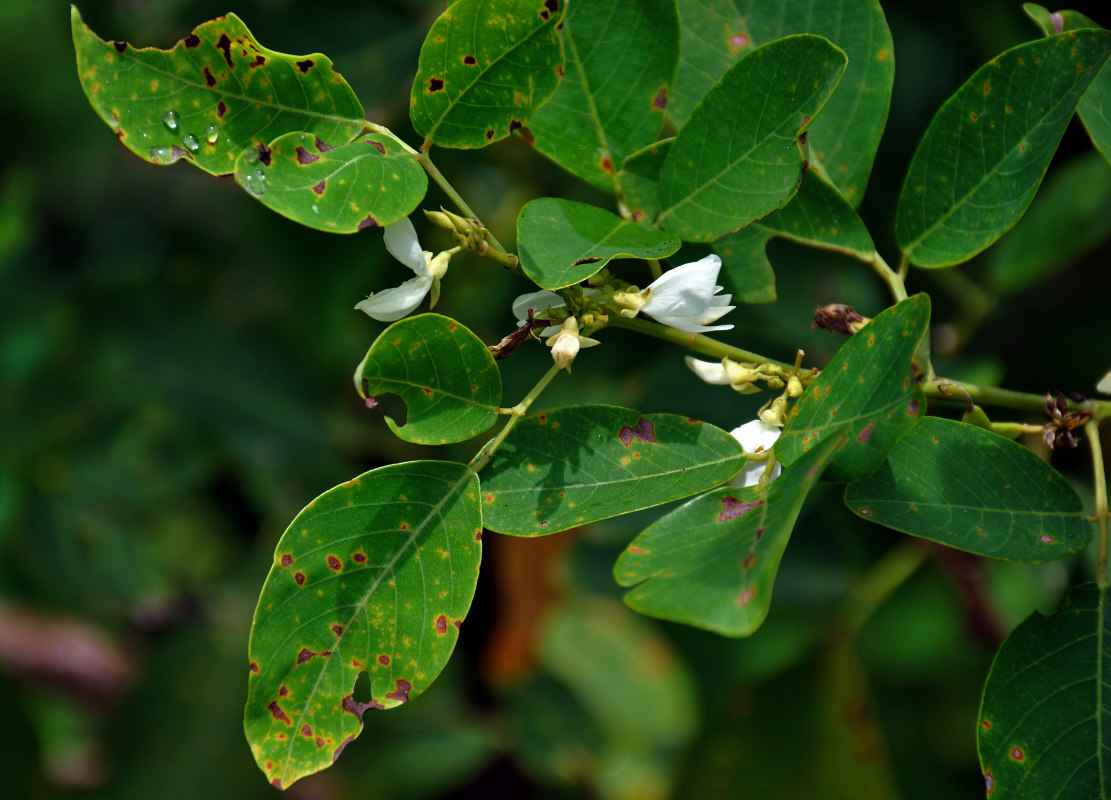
(175, 367)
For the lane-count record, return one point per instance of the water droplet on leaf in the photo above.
(255, 183)
(191, 143)
(170, 119)
(212, 134)
(161, 155)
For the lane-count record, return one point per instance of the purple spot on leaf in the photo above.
(733, 508)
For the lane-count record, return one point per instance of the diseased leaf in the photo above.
(738, 158)
(570, 466)
(843, 140)
(484, 68)
(712, 561)
(621, 61)
(1068, 218)
(992, 497)
(343, 188)
(1094, 107)
(987, 149)
(443, 373)
(1046, 711)
(375, 576)
(872, 384)
(562, 243)
(214, 94)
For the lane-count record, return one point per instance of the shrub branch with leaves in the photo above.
(776, 113)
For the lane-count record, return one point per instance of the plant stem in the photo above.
(691, 341)
(497, 251)
(878, 583)
(893, 279)
(940, 388)
(483, 456)
(1091, 429)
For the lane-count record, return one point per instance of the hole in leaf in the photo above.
(392, 406)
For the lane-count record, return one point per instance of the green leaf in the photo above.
(374, 576)
(1094, 107)
(341, 189)
(484, 68)
(213, 95)
(562, 243)
(819, 215)
(871, 383)
(639, 178)
(621, 61)
(1068, 219)
(738, 157)
(575, 465)
(443, 373)
(987, 149)
(712, 561)
(843, 140)
(1045, 713)
(968, 488)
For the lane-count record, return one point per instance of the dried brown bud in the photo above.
(1059, 431)
(839, 318)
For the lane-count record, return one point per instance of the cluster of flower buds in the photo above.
(469, 234)
(743, 376)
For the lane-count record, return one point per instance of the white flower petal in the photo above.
(755, 437)
(689, 325)
(684, 291)
(1104, 385)
(401, 241)
(709, 371)
(390, 305)
(541, 301)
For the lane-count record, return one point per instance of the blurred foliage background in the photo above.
(175, 370)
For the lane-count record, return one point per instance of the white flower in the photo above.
(755, 437)
(686, 297)
(711, 372)
(541, 301)
(1104, 385)
(393, 304)
(566, 343)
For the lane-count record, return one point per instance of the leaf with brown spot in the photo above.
(845, 136)
(311, 642)
(334, 188)
(613, 106)
(696, 566)
(994, 497)
(200, 79)
(442, 372)
(515, 56)
(580, 464)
